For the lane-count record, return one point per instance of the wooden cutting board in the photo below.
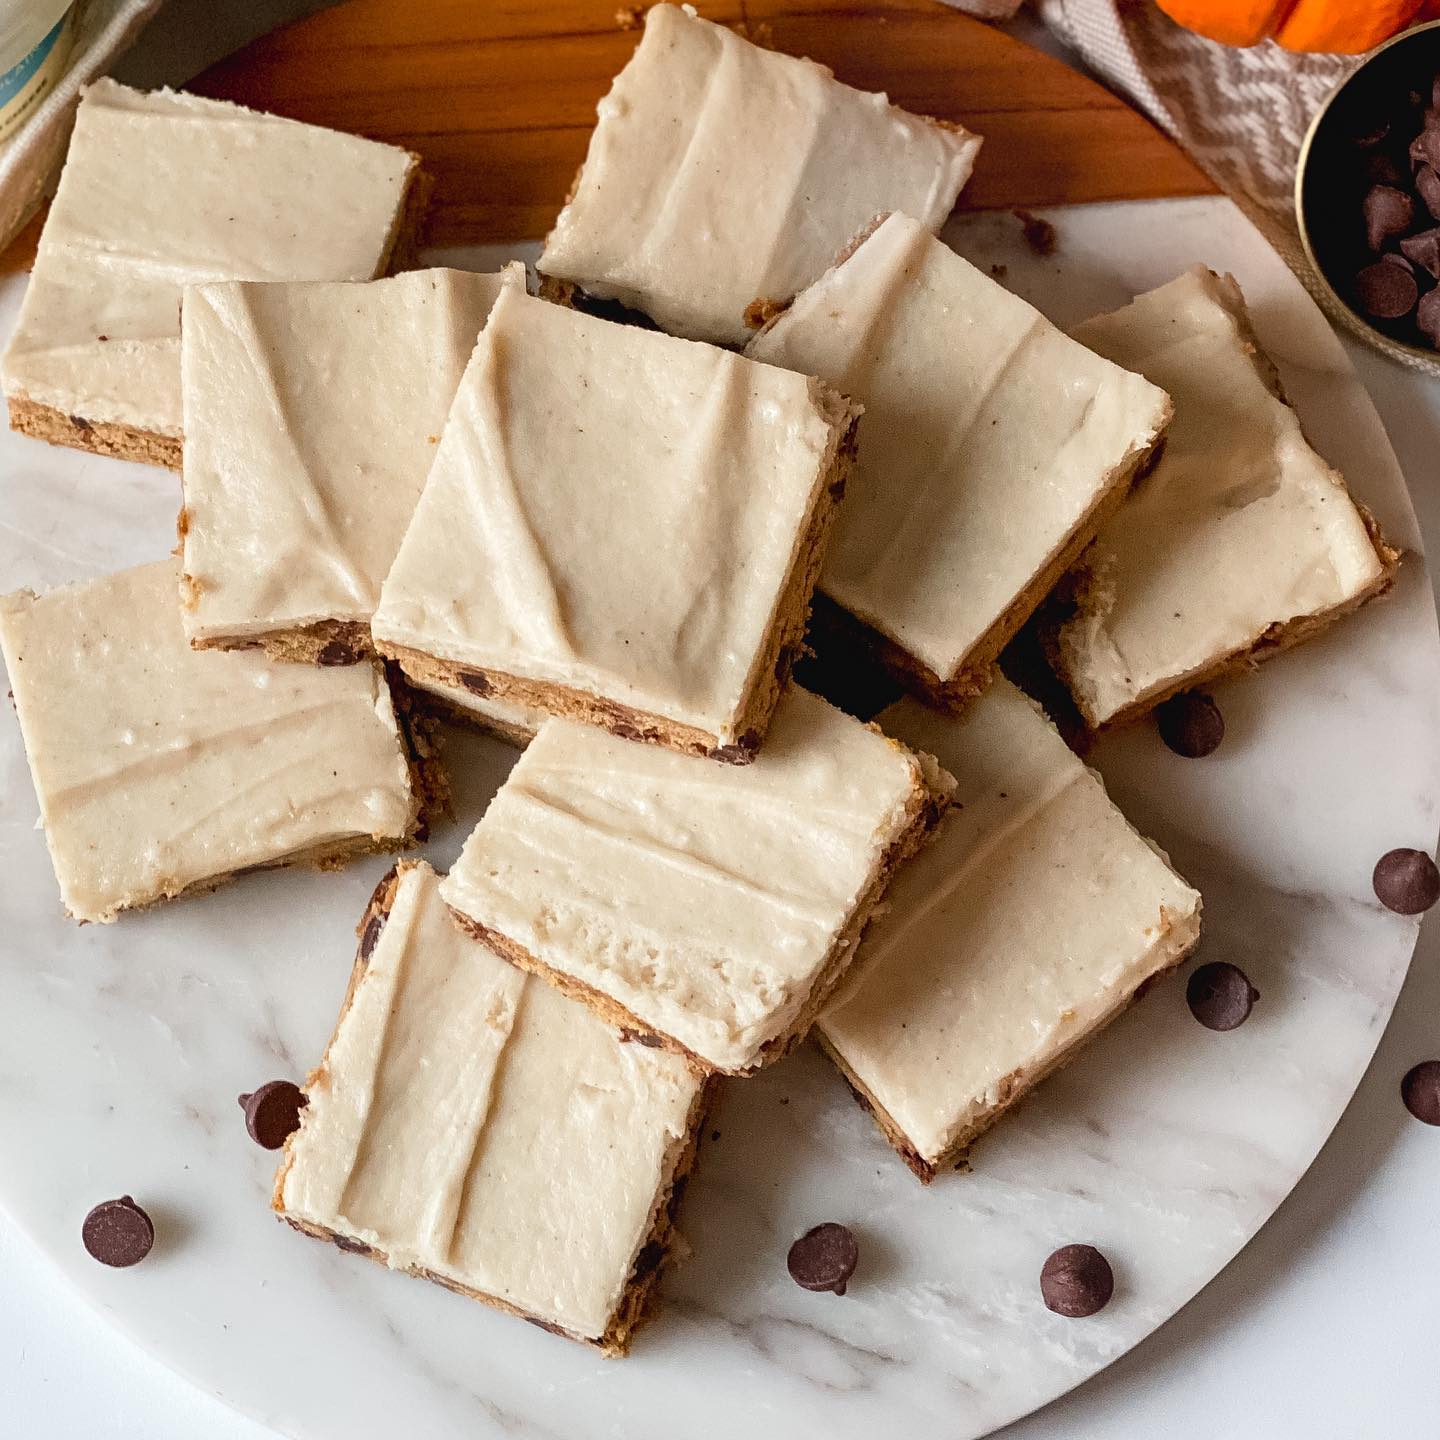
(499, 97)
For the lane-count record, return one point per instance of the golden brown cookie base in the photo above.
(1012, 1088)
(128, 442)
(924, 810)
(439, 707)
(101, 437)
(768, 676)
(325, 642)
(639, 1299)
(836, 625)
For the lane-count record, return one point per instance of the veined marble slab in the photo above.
(1165, 1144)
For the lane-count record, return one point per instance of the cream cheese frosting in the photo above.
(1033, 915)
(614, 511)
(164, 190)
(989, 440)
(313, 411)
(700, 116)
(1241, 526)
(470, 1121)
(706, 900)
(158, 767)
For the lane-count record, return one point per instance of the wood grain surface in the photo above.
(499, 97)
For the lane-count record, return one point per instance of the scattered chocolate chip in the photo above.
(1427, 316)
(1388, 212)
(103, 339)
(1386, 291)
(1406, 881)
(1076, 1281)
(1220, 995)
(1420, 1090)
(370, 935)
(474, 682)
(118, 1233)
(81, 423)
(336, 652)
(352, 1247)
(1040, 234)
(272, 1113)
(1190, 724)
(629, 1036)
(1423, 250)
(784, 663)
(824, 1258)
(739, 752)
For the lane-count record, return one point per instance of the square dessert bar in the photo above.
(471, 1125)
(1240, 543)
(992, 448)
(1035, 915)
(163, 190)
(722, 178)
(710, 909)
(313, 410)
(619, 527)
(160, 770)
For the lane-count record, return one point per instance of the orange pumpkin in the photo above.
(1338, 27)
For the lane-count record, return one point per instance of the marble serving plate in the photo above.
(1167, 1145)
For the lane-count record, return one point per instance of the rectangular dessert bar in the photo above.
(710, 908)
(722, 178)
(161, 190)
(313, 411)
(471, 1125)
(992, 448)
(1034, 917)
(160, 770)
(1240, 543)
(621, 528)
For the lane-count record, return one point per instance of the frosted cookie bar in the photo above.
(711, 908)
(722, 178)
(160, 770)
(1240, 543)
(992, 448)
(619, 527)
(313, 411)
(471, 1125)
(162, 190)
(1035, 915)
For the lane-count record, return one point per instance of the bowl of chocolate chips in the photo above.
(1367, 196)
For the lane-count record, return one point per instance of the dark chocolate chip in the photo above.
(1427, 182)
(1406, 881)
(474, 682)
(81, 424)
(626, 731)
(1420, 1090)
(784, 663)
(1040, 234)
(1386, 291)
(1076, 1281)
(1220, 995)
(370, 935)
(629, 1036)
(1190, 724)
(739, 752)
(1383, 169)
(337, 652)
(118, 1233)
(824, 1258)
(1427, 316)
(352, 1247)
(1423, 249)
(272, 1113)
(1388, 212)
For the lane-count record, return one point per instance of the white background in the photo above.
(1325, 1327)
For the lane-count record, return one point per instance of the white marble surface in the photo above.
(1167, 1145)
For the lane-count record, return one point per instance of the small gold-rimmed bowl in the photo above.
(1336, 168)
